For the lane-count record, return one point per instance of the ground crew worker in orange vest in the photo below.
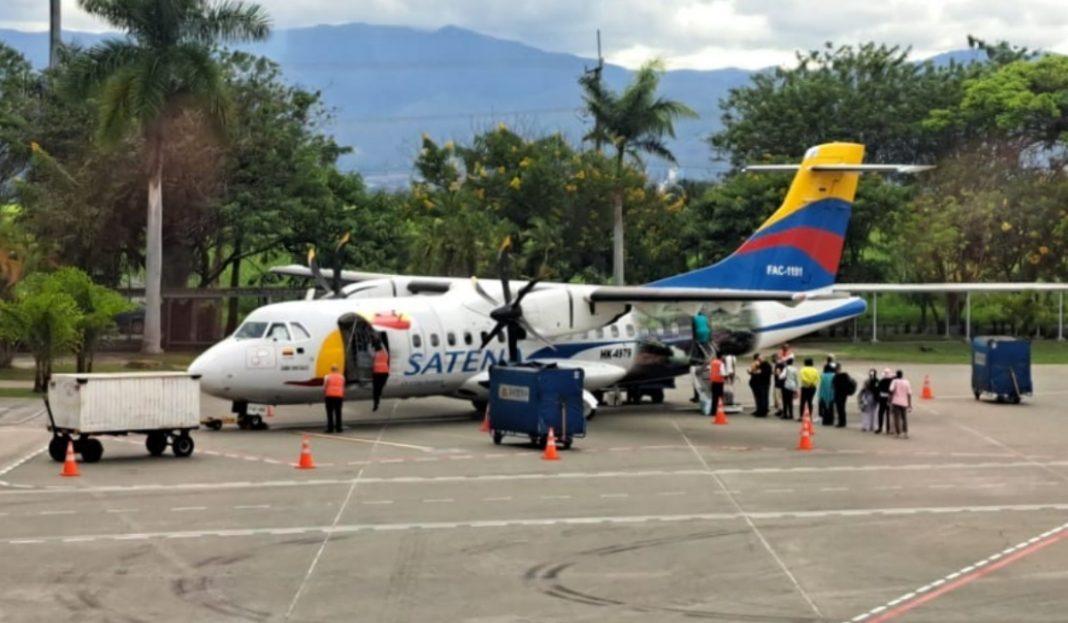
(334, 396)
(715, 380)
(380, 372)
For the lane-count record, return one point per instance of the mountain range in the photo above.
(387, 85)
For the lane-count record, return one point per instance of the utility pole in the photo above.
(54, 34)
(595, 77)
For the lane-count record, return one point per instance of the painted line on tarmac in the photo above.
(367, 441)
(549, 521)
(962, 577)
(12, 466)
(819, 469)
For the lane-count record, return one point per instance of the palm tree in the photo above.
(634, 122)
(163, 65)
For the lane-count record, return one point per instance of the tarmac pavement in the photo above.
(413, 515)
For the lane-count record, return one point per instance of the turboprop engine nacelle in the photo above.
(563, 310)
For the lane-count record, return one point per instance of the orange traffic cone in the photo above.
(485, 428)
(806, 423)
(806, 440)
(70, 468)
(306, 461)
(927, 393)
(721, 415)
(550, 447)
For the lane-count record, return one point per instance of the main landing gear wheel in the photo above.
(156, 443)
(182, 445)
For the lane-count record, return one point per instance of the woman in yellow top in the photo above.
(810, 382)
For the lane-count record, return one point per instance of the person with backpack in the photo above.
(884, 402)
(868, 401)
(844, 387)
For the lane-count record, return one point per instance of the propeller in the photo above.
(509, 314)
(332, 287)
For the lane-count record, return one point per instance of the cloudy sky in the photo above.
(687, 33)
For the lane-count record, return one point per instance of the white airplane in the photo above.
(443, 334)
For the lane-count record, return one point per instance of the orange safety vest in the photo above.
(716, 371)
(381, 365)
(334, 385)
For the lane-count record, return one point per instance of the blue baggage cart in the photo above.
(528, 399)
(1001, 366)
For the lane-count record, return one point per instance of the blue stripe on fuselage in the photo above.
(855, 307)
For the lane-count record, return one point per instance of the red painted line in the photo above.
(968, 579)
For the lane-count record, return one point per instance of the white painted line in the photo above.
(78, 539)
(182, 509)
(438, 501)
(56, 513)
(11, 467)
(557, 497)
(615, 495)
(123, 510)
(504, 498)
(371, 502)
(834, 488)
(242, 507)
(25, 541)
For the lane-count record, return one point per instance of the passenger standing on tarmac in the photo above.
(789, 379)
(759, 381)
(884, 402)
(776, 370)
(729, 368)
(868, 401)
(715, 380)
(379, 372)
(810, 382)
(844, 387)
(901, 404)
(826, 395)
(333, 396)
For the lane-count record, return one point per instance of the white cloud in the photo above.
(686, 33)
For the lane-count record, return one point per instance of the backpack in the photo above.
(851, 385)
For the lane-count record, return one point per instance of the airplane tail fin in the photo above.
(797, 248)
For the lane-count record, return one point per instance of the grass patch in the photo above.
(106, 362)
(931, 351)
(19, 392)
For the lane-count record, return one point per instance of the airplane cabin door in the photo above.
(358, 337)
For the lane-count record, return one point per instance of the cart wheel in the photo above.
(156, 443)
(92, 450)
(977, 394)
(214, 424)
(57, 448)
(1015, 399)
(657, 396)
(182, 445)
(543, 440)
(244, 422)
(257, 423)
(567, 442)
(497, 437)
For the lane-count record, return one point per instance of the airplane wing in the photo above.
(904, 288)
(653, 294)
(415, 285)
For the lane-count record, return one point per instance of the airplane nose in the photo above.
(207, 367)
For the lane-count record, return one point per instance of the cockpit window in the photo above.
(278, 332)
(299, 332)
(250, 330)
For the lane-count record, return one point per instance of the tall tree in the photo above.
(142, 81)
(635, 122)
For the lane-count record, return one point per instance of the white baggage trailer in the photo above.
(164, 406)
